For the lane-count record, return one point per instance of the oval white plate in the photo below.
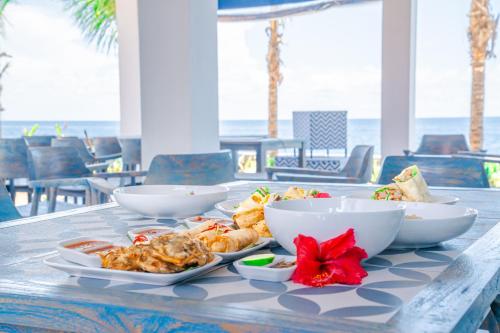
(228, 207)
(438, 223)
(266, 273)
(230, 256)
(438, 199)
(169, 201)
(158, 279)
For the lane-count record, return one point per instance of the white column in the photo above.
(177, 52)
(128, 55)
(398, 75)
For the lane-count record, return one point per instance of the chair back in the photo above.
(39, 140)
(106, 145)
(13, 159)
(76, 143)
(438, 170)
(55, 163)
(191, 169)
(442, 144)
(131, 152)
(7, 209)
(360, 163)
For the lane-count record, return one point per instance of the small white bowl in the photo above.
(169, 201)
(228, 207)
(192, 222)
(375, 223)
(266, 273)
(435, 223)
(80, 257)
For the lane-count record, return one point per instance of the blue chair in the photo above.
(446, 171)
(106, 147)
(76, 143)
(14, 165)
(131, 153)
(39, 140)
(441, 144)
(358, 169)
(180, 169)
(7, 209)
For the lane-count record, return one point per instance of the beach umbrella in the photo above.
(482, 35)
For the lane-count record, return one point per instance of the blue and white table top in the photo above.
(404, 291)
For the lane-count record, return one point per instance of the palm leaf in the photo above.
(97, 19)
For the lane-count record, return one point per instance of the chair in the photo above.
(106, 147)
(444, 171)
(180, 169)
(321, 131)
(358, 169)
(76, 143)
(7, 209)
(441, 144)
(131, 153)
(39, 140)
(14, 165)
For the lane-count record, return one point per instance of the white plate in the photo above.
(169, 201)
(158, 279)
(266, 273)
(438, 223)
(230, 256)
(438, 199)
(228, 207)
(191, 223)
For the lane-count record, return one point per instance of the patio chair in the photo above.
(358, 169)
(7, 209)
(14, 166)
(131, 153)
(39, 140)
(441, 144)
(90, 161)
(61, 170)
(106, 147)
(446, 171)
(181, 169)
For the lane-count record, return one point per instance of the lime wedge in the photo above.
(258, 260)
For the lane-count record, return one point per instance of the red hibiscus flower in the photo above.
(321, 195)
(337, 260)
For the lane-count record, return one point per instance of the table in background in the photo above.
(261, 145)
(442, 289)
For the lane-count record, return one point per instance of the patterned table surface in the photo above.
(400, 282)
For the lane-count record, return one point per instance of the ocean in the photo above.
(360, 131)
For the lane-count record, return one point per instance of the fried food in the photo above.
(247, 218)
(262, 229)
(170, 253)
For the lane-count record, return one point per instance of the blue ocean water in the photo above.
(360, 131)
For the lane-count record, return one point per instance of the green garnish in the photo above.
(258, 259)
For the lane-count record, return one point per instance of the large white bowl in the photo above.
(435, 223)
(375, 223)
(169, 201)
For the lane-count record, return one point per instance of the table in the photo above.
(261, 145)
(443, 289)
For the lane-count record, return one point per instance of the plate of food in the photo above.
(409, 186)
(167, 259)
(226, 241)
(428, 224)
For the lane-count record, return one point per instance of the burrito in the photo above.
(389, 192)
(262, 229)
(207, 225)
(247, 218)
(413, 185)
(232, 241)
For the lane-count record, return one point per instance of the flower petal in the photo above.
(347, 269)
(335, 247)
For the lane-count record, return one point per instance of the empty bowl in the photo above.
(428, 224)
(169, 201)
(375, 223)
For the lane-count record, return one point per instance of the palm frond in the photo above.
(97, 19)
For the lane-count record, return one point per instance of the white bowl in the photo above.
(375, 223)
(437, 199)
(265, 273)
(228, 207)
(436, 223)
(169, 201)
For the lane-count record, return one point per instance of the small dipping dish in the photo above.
(271, 272)
(83, 250)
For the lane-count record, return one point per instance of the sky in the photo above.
(331, 61)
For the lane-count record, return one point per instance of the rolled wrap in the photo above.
(413, 185)
(231, 241)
